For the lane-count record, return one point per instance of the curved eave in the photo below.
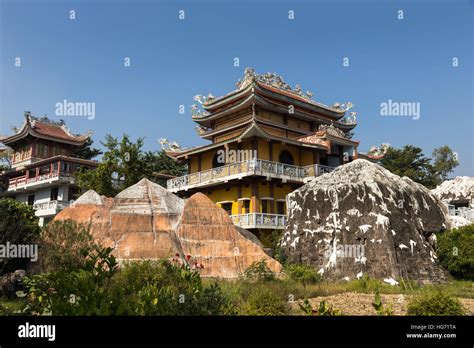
(28, 131)
(286, 96)
(62, 157)
(208, 135)
(251, 131)
(294, 99)
(271, 106)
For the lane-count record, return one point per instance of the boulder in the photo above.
(146, 221)
(360, 220)
(456, 191)
(207, 234)
(12, 282)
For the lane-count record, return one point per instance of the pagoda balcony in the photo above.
(260, 220)
(239, 170)
(49, 208)
(22, 183)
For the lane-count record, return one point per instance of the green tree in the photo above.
(444, 161)
(455, 249)
(123, 164)
(18, 225)
(86, 151)
(409, 161)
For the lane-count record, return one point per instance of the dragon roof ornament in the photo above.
(331, 130)
(271, 79)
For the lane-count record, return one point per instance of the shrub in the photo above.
(437, 303)
(379, 307)
(64, 245)
(259, 271)
(262, 301)
(140, 288)
(18, 225)
(455, 249)
(302, 273)
(323, 309)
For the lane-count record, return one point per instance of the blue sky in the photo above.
(172, 60)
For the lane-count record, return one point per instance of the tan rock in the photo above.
(145, 221)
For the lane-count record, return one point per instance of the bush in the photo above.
(437, 303)
(263, 301)
(64, 245)
(18, 225)
(259, 271)
(140, 288)
(455, 249)
(323, 309)
(302, 273)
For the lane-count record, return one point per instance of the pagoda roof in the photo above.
(62, 158)
(252, 99)
(45, 130)
(328, 132)
(270, 85)
(252, 130)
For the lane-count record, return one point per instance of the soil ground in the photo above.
(352, 303)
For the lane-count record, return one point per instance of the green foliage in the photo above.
(86, 151)
(437, 303)
(124, 164)
(445, 160)
(139, 288)
(160, 162)
(323, 309)
(379, 307)
(273, 240)
(18, 225)
(262, 300)
(64, 246)
(81, 292)
(259, 271)
(410, 161)
(455, 249)
(302, 273)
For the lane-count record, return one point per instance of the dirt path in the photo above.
(352, 303)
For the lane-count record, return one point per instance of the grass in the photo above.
(9, 307)
(239, 291)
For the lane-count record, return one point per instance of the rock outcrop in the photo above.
(458, 190)
(12, 282)
(360, 220)
(146, 221)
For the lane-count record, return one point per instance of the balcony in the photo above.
(49, 208)
(285, 172)
(259, 220)
(23, 183)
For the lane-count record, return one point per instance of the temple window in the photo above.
(280, 207)
(215, 161)
(285, 157)
(227, 207)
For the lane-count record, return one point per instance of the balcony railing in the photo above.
(50, 205)
(464, 212)
(247, 168)
(259, 220)
(21, 182)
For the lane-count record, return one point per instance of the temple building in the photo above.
(266, 139)
(43, 166)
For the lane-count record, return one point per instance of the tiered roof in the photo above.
(271, 92)
(46, 130)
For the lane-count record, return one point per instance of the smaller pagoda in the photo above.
(43, 166)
